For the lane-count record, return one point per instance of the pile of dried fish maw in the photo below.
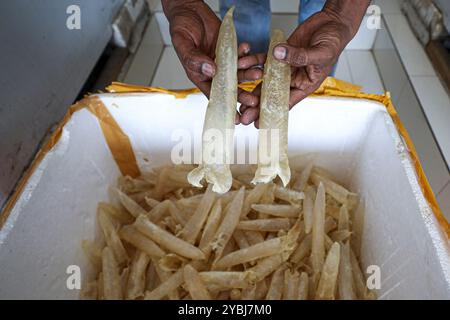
(165, 239)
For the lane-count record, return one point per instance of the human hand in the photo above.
(312, 50)
(194, 29)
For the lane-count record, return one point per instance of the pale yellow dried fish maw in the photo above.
(273, 118)
(218, 129)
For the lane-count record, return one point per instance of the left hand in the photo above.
(311, 51)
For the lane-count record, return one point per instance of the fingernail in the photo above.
(207, 70)
(279, 52)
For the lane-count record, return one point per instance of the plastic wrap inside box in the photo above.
(353, 138)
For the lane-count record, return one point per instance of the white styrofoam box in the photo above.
(353, 138)
(41, 237)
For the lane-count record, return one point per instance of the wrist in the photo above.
(348, 13)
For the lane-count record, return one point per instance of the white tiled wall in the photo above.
(364, 38)
(170, 73)
(285, 15)
(163, 27)
(343, 68)
(285, 22)
(145, 61)
(364, 71)
(389, 64)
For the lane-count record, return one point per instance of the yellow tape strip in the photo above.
(119, 143)
(329, 83)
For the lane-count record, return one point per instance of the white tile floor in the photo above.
(432, 95)
(413, 55)
(360, 69)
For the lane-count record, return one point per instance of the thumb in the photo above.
(197, 61)
(192, 58)
(300, 57)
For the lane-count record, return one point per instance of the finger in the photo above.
(250, 99)
(300, 79)
(304, 82)
(296, 95)
(250, 74)
(250, 115)
(237, 118)
(252, 60)
(256, 123)
(300, 57)
(243, 49)
(193, 60)
(204, 86)
(242, 108)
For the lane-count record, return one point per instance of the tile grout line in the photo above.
(349, 67)
(443, 188)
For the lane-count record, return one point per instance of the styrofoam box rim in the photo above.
(402, 236)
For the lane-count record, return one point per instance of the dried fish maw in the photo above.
(218, 129)
(273, 118)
